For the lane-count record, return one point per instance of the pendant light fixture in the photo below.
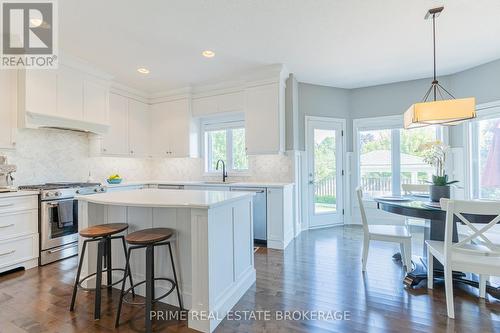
(447, 110)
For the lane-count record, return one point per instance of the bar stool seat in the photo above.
(103, 235)
(149, 239)
(149, 236)
(102, 230)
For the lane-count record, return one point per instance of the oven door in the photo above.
(53, 233)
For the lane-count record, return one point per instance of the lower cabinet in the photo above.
(18, 232)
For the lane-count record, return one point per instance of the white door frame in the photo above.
(341, 207)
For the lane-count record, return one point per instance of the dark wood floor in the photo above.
(320, 271)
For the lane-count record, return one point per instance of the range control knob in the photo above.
(96, 190)
(77, 192)
(58, 194)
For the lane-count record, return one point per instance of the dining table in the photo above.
(421, 207)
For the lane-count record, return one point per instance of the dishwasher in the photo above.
(259, 212)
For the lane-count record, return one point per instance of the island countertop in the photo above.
(165, 198)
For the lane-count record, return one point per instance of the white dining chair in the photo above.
(410, 189)
(385, 233)
(465, 256)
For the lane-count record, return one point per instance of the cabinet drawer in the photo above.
(18, 250)
(18, 203)
(18, 223)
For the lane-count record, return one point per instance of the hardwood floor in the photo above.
(320, 271)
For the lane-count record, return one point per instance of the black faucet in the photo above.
(224, 172)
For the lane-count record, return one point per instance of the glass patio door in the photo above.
(324, 158)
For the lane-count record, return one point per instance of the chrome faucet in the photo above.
(224, 172)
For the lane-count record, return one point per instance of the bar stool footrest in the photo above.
(172, 288)
(104, 286)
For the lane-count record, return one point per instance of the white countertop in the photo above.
(17, 194)
(165, 198)
(199, 183)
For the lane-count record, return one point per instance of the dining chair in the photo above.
(410, 189)
(465, 255)
(385, 233)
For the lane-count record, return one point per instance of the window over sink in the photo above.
(224, 139)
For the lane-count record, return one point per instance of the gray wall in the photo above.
(483, 82)
(321, 101)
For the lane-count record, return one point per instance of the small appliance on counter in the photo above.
(6, 175)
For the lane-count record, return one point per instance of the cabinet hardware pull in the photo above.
(6, 226)
(7, 253)
(6, 205)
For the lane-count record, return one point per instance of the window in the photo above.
(390, 156)
(485, 155)
(225, 141)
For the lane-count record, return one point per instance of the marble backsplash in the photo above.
(48, 155)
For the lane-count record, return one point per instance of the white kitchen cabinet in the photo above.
(96, 102)
(279, 217)
(69, 93)
(223, 103)
(8, 113)
(40, 91)
(139, 128)
(174, 131)
(264, 119)
(115, 142)
(18, 232)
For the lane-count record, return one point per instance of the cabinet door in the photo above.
(69, 94)
(115, 142)
(139, 129)
(95, 102)
(159, 130)
(205, 106)
(179, 128)
(41, 91)
(262, 119)
(7, 108)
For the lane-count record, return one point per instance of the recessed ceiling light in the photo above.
(143, 70)
(208, 54)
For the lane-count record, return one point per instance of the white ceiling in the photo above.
(341, 43)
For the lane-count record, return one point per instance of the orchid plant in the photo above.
(434, 153)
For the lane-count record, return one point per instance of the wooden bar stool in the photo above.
(149, 239)
(102, 234)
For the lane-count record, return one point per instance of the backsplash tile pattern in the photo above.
(49, 155)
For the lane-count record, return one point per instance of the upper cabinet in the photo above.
(174, 131)
(265, 119)
(129, 133)
(7, 108)
(139, 128)
(66, 97)
(210, 105)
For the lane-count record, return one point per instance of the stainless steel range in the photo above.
(58, 218)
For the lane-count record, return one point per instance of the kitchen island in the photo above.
(213, 247)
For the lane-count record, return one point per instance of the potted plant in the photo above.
(434, 153)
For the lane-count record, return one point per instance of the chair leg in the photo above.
(482, 285)
(149, 288)
(407, 246)
(98, 278)
(109, 266)
(366, 244)
(77, 280)
(430, 269)
(127, 265)
(120, 301)
(175, 277)
(448, 283)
